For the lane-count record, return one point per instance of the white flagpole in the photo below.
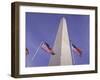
(73, 61)
(36, 51)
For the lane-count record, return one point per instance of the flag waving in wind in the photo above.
(27, 51)
(78, 50)
(45, 46)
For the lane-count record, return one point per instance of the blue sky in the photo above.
(44, 26)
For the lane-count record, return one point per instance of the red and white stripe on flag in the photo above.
(76, 49)
(45, 46)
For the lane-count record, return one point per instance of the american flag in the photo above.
(27, 51)
(76, 49)
(45, 46)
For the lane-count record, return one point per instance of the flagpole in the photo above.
(73, 61)
(36, 51)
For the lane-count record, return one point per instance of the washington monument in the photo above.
(61, 46)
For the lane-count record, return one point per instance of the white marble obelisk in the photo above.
(61, 46)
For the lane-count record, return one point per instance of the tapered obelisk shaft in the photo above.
(61, 46)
